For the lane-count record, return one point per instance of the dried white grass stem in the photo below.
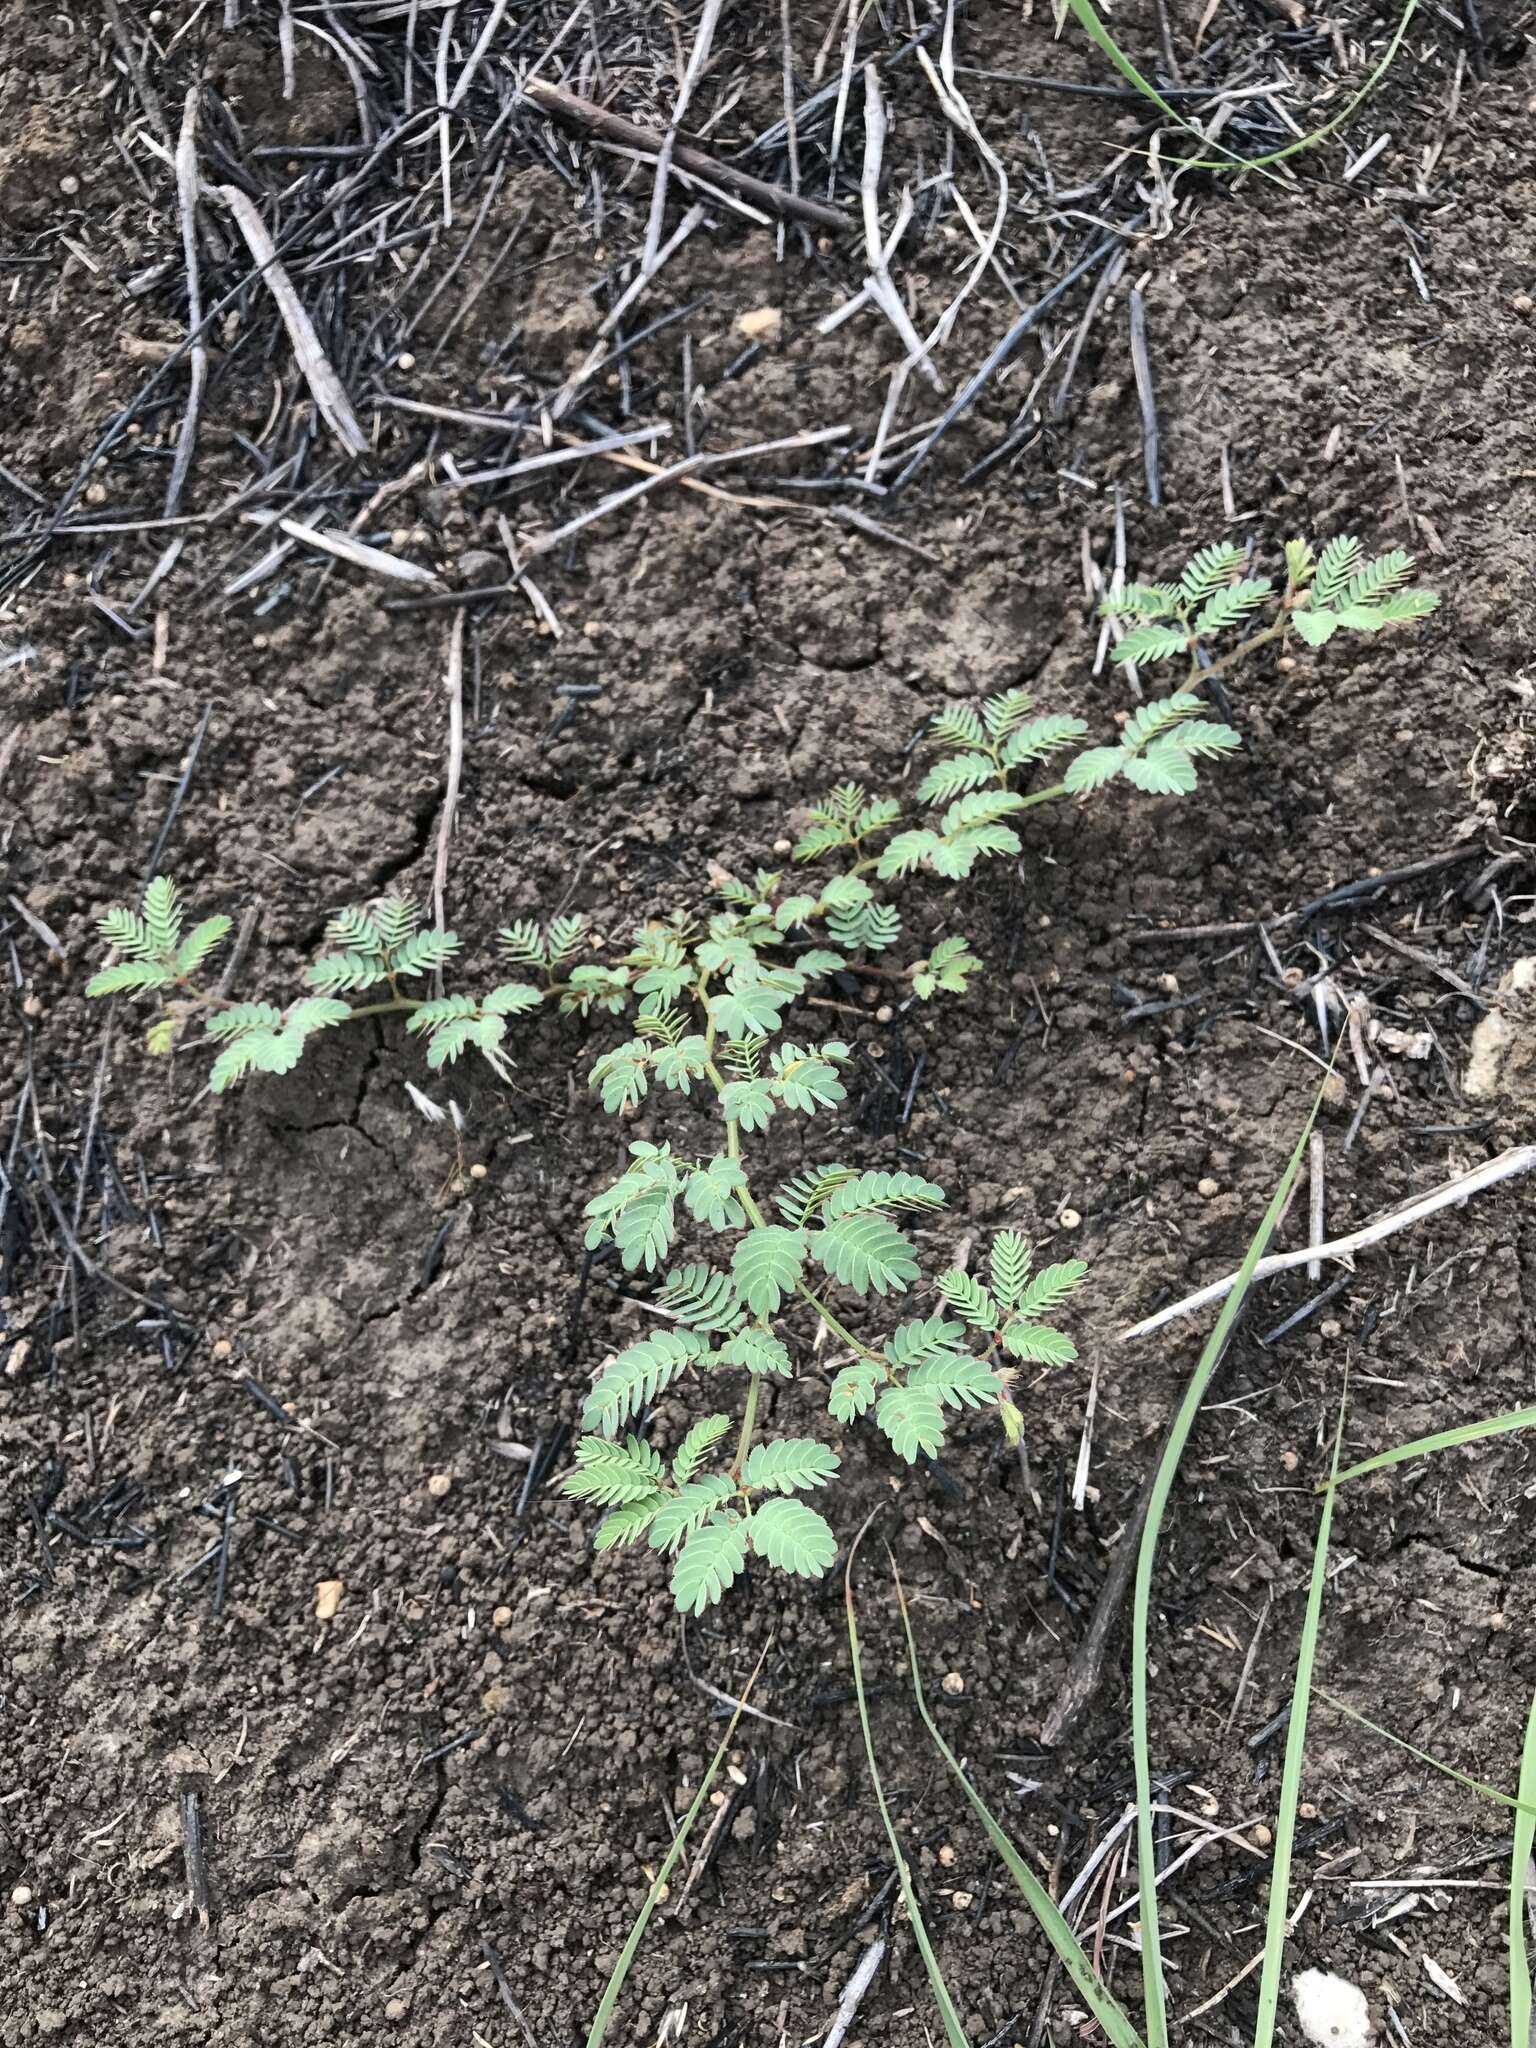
(455, 692)
(187, 188)
(325, 386)
(1519, 1159)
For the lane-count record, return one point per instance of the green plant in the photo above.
(974, 792)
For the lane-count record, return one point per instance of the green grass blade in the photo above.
(942, 1999)
(610, 1998)
(1154, 1992)
(1422, 1755)
(1520, 1863)
(1276, 1925)
(1093, 27)
(1442, 1440)
(1090, 1987)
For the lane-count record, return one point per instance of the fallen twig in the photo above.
(325, 386)
(581, 113)
(1519, 1159)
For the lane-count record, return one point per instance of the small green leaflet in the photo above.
(748, 1103)
(709, 1194)
(969, 1300)
(1038, 1344)
(865, 1251)
(794, 1537)
(701, 1298)
(926, 1337)
(682, 1512)
(1010, 1264)
(638, 1375)
(806, 1079)
(624, 1524)
(1050, 1287)
(791, 1464)
(881, 1190)
(854, 1389)
(766, 1264)
(913, 1419)
(678, 1066)
(711, 1558)
(697, 1445)
(958, 1380)
(948, 967)
(614, 1474)
(757, 1350)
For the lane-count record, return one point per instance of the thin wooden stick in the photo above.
(325, 386)
(1519, 1159)
(580, 113)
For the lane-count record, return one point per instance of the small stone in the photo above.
(95, 494)
(953, 1683)
(1208, 1187)
(947, 1855)
(1261, 1836)
(222, 1348)
(69, 185)
(761, 324)
(406, 361)
(22, 1895)
(440, 1484)
(502, 1618)
(961, 1901)
(1496, 1622)
(32, 1006)
(1329, 1328)
(396, 2009)
(1069, 1220)
(1168, 984)
(477, 1171)
(327, 1599)
(884, 1014)
(1289, 1460)
(1307, 1810)
(1522, 303)
(782, 846)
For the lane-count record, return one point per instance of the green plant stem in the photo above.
(838, 1329)
(942, 1999)
(1277, 1919)
(748, 1422)
(390, 1008)
(1154, 1991)
(610, 1998)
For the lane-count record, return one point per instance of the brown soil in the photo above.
(491, 1740)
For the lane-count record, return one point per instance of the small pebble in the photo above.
(1330, 1328)
(1208, 1187)
(884, 1014)
(396, 2009)
(1069, 1219)
(69, 185)
(953, 1683)
(1289, 1460)
(327, 1599)
(962, 1901)
(1522, 302)
(502, 1618)
(1286, 663)
(222, 1348)
(22, 1895)
(1262, 1836)
(405, 362)
(947, 1855)
(440, 1484)
(1496, 1622)
(477, 1171)
(1306, 1810)
(783, 846)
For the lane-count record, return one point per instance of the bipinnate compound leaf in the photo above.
(697, 1445)
(866, 1252)
(614, 1475)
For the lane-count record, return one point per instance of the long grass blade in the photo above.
(1442, 1440)
(1519, 1877)
(942, 1999)
(1423, 1756)
(1277, 1922)
(610, 1998)
(1091, 1988)
(1093, 27)
(1154, 1992)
